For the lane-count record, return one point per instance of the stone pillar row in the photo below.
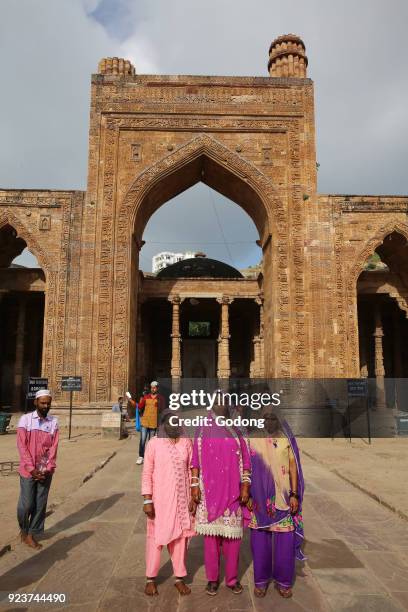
(223, 362)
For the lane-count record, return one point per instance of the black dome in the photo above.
(202, 267)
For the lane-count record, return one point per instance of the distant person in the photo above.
(37, 443)
(150, 406)
(118, 406)
(121, 407)
(166, 488)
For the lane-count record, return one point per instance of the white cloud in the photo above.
(356, 50)
(46, 61)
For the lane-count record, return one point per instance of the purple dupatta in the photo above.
(263, 493)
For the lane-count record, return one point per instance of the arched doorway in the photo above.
(22, 305)
(205, 160)
(382, 305)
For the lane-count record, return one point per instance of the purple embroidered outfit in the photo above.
(276, 535)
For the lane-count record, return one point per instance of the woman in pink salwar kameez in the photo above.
(166, 490)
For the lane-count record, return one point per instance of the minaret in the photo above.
(287, 57)
(116, 66)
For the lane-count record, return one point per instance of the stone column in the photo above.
(397, 345)
(379, 359)
(175, 340)
(363, 353)
(224, 368)
(397, 356)
(19, 359)
(261, 368)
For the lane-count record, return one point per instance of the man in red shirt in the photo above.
(37, 443)
(150, 406)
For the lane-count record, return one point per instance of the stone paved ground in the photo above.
(378, 469)
(94, 549)
(76, 459)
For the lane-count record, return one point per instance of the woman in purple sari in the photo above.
(220, 488)
(276, 506)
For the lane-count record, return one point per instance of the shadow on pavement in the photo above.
(93, 509)
(31, 570)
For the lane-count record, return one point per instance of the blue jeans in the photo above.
(32, 504)
(145, 434)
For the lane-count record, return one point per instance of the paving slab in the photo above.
(363, 603)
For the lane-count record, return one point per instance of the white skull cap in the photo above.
(42, 393)
(154, 383)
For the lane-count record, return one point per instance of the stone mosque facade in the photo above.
(315, 310)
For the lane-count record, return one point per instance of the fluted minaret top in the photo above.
(116, 66)
(287, 57)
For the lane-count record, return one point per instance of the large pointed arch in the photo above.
(140, 202)
(202, 159)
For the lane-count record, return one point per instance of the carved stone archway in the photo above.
(137, 208)
(351, 289)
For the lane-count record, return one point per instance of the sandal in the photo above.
(211, 588)
(259, 592)
(236, 588)
(151, 588)
(181, 586)
(284, 591)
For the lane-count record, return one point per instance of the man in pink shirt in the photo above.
(37, 443)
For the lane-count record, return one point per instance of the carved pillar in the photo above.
(19, 359)
(175, 340)
(223, 368)
(363, 352)
(397, 329)
(396, 320)
(261, 359)
(379, 359)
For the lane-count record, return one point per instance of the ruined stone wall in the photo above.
(50, 223)
(344, 232)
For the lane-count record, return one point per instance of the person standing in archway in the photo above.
(150, 407)
(37, 443)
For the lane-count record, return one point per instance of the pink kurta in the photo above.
(166, 477)
(37, 439)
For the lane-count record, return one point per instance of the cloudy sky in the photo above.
(357, 58)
